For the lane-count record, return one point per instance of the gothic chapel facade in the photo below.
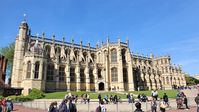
(53, 65)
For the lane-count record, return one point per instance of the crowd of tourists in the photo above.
(109, 99)
(67, 105)
(6, 105)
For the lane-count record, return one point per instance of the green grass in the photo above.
(170, 93)
(94, 95)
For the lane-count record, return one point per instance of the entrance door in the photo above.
(101, 86)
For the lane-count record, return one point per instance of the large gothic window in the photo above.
(167, 78)
(91, 76)
(50, 72)
(72, 75)
(61, 73)
(82, 76)
(125, 75)
(99, 75)
(36, 70)
(114, 76)
(28, 70)
(123, 56)
(113, 55)
(47, 49)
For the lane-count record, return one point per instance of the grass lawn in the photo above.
(170, 93)
(94, 95)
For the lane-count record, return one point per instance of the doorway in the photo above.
(101, 86)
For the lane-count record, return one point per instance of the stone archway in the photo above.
(101, 86)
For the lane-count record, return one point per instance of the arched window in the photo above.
(47, 49)
(36, 70)
(125, 75)
(61, 73)
(123, 56)
(113, 55)
(82, 76)
(91, 76)
(58, 50)
(174, 80)
(50, 72)
(99, 73)
(163, 80)
(114, 74)
(72, 75)
(28, 70)
(167, 80)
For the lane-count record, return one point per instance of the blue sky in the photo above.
(159, 26)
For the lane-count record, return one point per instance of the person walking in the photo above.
(153, 105)
(154, 94)
(9, 105)
(138, 107)
(163, 105)
(101, 107)
(197, 102)
(99, 98)
(53, 107)
(186, 102)
(165, 98)
(72, 106)
(63, 106)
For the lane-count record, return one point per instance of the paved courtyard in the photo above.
(41, 105)
(18, 108)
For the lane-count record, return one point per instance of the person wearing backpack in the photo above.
(9, 105)
(165, 98)
(63, 106)
(72, 106)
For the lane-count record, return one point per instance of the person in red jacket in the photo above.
(3, 103)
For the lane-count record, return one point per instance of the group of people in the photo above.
(67, 105)
(163, 103)
(6, 105)
(181, 99)
(85, 98)
(112, 99)
(142, 97)
(130, 98)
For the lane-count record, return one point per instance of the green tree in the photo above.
(191, 80)
(8, 52)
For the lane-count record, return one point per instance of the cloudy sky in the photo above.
(163, 27)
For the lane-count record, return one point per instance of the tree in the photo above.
(191, 80)
(8, 52)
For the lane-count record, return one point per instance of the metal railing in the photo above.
(122, 106)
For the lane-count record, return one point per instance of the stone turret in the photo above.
(19, 53)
